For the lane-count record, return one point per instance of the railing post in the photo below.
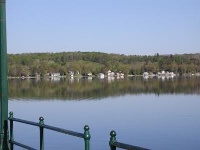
(112, 140)
(11, 130)
(3, 79)
(87, 137)
(41, 133)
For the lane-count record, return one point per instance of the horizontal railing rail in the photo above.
(11, 118)
(114, 144)
(86, 135)
(72, 133)
(81, 135)
(21, 145)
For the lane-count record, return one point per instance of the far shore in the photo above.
(93, 76)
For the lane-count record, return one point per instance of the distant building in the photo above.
(101, 75)
(55, 74)
(89, 74)
(110, 73)
(145, 74)
(71, 73)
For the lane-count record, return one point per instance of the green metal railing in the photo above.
(114, 144)
(86, 135)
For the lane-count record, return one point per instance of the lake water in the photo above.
(152, 113)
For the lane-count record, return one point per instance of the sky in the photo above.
(130, 27)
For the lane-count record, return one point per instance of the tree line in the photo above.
(41, 64)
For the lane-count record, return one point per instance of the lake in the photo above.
(151, 113)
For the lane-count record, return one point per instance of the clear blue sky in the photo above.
(131, 27)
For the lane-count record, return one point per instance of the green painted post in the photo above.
(41, 133)
(112, 140)
(3, 78)
(11, 130)
(87, 137)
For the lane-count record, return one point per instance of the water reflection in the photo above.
(94, 88)
(167, 122)
(131, 106)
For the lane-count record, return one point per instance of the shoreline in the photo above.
(146, 76)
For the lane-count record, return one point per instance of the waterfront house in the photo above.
(71, 73)
(110, 73)
(55, 74)
(89, 74)
(101, 75)
(145, 74)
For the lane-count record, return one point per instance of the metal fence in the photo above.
(114, 144)
(86, 135)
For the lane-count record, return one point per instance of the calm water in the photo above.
(154, 113)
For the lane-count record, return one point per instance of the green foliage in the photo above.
(33, 64)
(83, 88)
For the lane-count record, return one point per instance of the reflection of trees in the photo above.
(95, 89)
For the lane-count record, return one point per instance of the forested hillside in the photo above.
(32, 64)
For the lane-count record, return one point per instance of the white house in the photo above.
(55, 74)
(145, 74)
(101, 75)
